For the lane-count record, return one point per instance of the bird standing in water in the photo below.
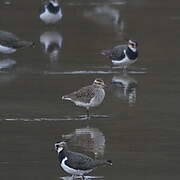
(50, 12)
(123, 55)
(77, 164)
(89, 96)
(9, 43)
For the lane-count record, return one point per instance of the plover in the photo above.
(9, 43)
(89, 96)
(50, 12)
(77, 164)
(123, 55)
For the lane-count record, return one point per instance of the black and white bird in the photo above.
(52, 42)
(124, 87)
(9, 43)
(77, 164)
(123, 55)
(50, 12)
(88, 96)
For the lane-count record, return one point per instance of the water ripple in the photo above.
(66, 118)
(79, 177)
(91, 72)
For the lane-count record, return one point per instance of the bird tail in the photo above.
(26, 44)
(103, 162)
(66, 97)
(106, 53)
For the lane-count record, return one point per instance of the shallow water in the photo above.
(137, 126)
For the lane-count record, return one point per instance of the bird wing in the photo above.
(85, 94)
(79, 161)
(117, 52)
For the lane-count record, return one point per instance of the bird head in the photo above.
(54, 2)
(59, 146)
(99, 82)
(132, 44)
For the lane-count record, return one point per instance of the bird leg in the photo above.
(88, 114)
(83, 177)
(125, 70)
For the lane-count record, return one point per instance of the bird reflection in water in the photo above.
(85, 177)
(88, 139)
(52, 42)
(7, 64)
(106, 16)
(124, 87)
(5, 71)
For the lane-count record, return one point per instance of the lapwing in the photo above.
(77, 164)
(123, 55)
(50, 12)
(9, 43)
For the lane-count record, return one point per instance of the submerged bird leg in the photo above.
(73, 177)
(83, 177)
(125, 70)
(87, 111)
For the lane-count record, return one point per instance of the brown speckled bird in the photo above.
(89, 96)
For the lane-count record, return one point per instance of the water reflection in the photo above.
(124, 88)
(95, 2)
(6, 2)
(106, 16)
(79, 177)
(89, 139)
(7, 63)
(52, 42)
(5, 66)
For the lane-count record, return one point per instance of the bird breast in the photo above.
(98, 98)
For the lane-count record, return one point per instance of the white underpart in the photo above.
(124, 62)
(6, 50)
(48, 17)
(48, 38)
(73, 171)
(95, 101)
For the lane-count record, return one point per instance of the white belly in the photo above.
(124, 62)
(6, 50)
(73, 171)
(50, 18)
(95, 101)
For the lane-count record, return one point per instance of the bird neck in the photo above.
(131, 53)
(61, 155)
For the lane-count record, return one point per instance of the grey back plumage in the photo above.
(80, 161)
(118, 52)
(85, 94)
(10, 40)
